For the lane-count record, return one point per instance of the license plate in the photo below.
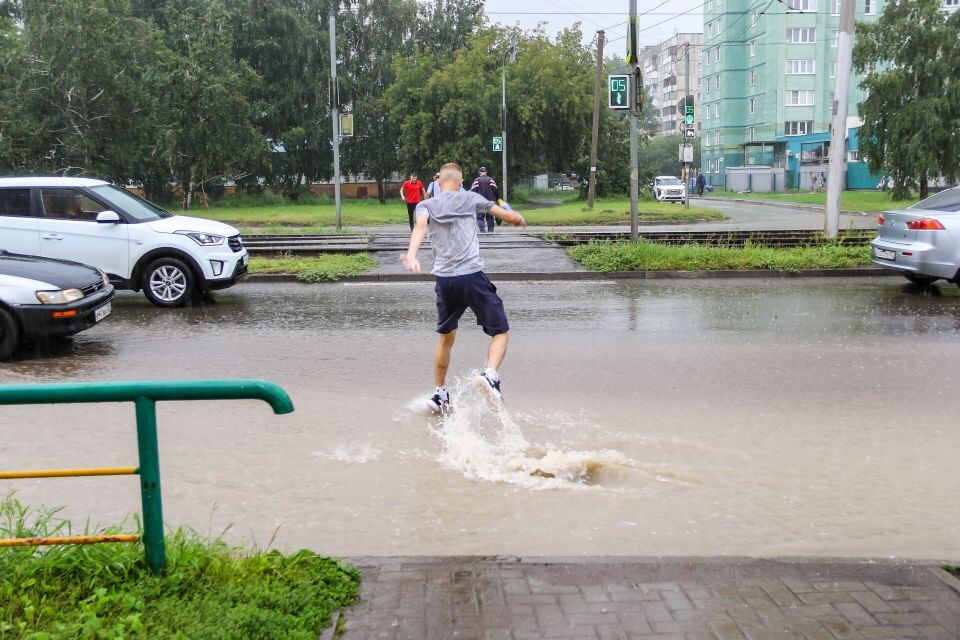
(883, 254)
(103, 312)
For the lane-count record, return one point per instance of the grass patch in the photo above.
(211, 590)
(652, 256)
(519, 195)
(849, 200)
(317, 212)
(320, 217)
(288, 230)
(322, 268)
(616, 211)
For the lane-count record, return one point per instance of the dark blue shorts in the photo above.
(474, 291)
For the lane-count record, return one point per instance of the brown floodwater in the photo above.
(783, 417)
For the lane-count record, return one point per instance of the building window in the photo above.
(716, 54)
(751, 133)
(709, 166)
(834, 37)
(753, 77)
(798, 127)
(753, 48)
(833, 69)
(801, 35)
(716, 138)
(802, 5)
(716, 109)
(799, 98)
(754, 19)
(716, 81)
(835, 7)
(719, 3)
(870, 7)
(951, 3)
(706, 6)
(709, 85)
(800, 67)
(752, 106)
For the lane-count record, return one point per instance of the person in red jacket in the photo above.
(412, 192)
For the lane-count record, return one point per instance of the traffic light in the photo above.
(618, 94)
(688, 114)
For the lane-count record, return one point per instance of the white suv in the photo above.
(138, 244)
(669, 189)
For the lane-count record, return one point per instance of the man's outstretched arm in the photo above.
(416, 239)
(508, 215)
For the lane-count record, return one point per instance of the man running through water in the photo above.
(460, 281)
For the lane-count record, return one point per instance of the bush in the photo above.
(211, 590)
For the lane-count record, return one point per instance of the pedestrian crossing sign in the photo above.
(497, 143)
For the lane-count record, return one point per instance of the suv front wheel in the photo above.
(168, 282)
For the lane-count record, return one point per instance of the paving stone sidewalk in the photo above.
(476, 598)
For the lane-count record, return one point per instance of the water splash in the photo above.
(483, 442)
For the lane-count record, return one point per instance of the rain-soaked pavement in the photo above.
(775, 417)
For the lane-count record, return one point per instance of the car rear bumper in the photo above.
(39, 321)
(916, 257)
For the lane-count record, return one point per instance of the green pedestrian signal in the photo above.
(618, 95)
(688, 114)
(497, 143)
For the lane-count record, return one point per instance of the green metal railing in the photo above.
(145, 396)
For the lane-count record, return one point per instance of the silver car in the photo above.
(922, 241)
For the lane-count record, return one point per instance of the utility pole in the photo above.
(592, 191)
(335, 114)
(512, 54)
(838, 135)
(686, 100)
(633, 52)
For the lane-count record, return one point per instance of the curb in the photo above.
(788, 205)
(567, 276)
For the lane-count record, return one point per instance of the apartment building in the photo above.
(664, 76)
(769, 71)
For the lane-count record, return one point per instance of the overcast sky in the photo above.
(660, 18)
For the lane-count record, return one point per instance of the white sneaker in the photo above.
(489, 386)
(439, 402)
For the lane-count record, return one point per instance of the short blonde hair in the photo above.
(451, 173)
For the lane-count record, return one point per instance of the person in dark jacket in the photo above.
(486, 187)
(701, 182)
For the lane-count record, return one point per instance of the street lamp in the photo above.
(512, 56)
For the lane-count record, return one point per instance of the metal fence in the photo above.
(144, 396)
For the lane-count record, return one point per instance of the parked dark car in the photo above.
(42, 298)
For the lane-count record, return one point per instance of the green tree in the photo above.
(911, 115)
(207, 129)
(79, 94)
(286, 42)
(10, 58)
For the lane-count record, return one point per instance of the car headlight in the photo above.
(106, 279)
(59, 297)
(203, 239)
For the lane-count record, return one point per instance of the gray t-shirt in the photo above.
(453, 231)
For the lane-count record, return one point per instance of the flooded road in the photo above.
(774, 417)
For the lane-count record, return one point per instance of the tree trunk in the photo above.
(381, 191)
(188, 191)
(923, 187)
